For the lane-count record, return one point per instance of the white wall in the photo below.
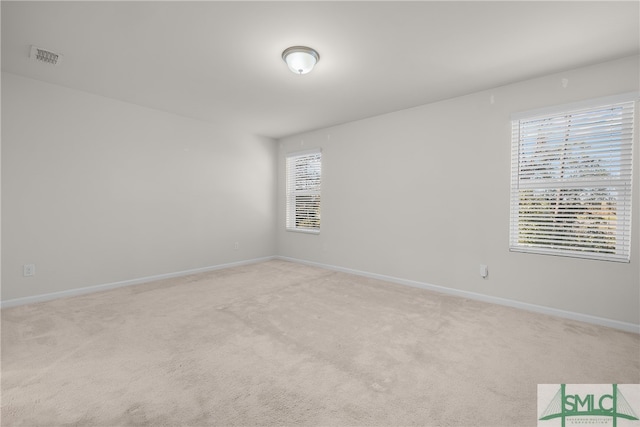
(96, 191)
(423, 195)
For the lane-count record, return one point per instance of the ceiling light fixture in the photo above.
(300, 59)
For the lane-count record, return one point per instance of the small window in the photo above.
(571, 181)
(304, 176)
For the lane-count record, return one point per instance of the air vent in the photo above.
(46, 56)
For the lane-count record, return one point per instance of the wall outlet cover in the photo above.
(484, 270)
(29, 270)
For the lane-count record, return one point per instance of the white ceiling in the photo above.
(220, 61)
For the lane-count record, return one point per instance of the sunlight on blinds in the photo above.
(303, 182)
(571, 183)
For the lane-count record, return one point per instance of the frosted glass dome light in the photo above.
(300, 59)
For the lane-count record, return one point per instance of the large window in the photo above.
(304, 173)
(571, 181)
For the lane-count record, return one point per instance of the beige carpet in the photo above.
(280, 343)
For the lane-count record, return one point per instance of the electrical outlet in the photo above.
(484, 271)
(29, 270)
(236, 246)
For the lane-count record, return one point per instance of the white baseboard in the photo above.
(624, 326)
(106, 286)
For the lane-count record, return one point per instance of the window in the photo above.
(571, 181)
(303, 191)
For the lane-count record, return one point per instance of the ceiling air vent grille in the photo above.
(46, 56)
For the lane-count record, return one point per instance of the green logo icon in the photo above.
(612, 405)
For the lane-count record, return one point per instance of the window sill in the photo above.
(302, 230)
(570, 254)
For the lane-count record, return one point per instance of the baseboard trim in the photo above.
(107, 286)
(624, 326)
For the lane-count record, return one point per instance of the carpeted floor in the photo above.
(279, 343)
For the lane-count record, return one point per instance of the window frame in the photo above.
(292, 206)
(620, 189)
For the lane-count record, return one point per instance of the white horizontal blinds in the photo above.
(304, 173)
(571, 183)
